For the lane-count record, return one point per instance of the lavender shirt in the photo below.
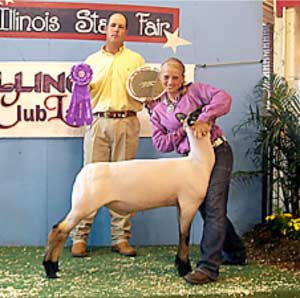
(167, 132)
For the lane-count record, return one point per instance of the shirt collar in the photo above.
(165, 99)
(103, 51)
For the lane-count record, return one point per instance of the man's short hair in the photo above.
(113, 13)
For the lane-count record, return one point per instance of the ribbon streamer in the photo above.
(80, 109)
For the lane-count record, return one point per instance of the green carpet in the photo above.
(150, 274)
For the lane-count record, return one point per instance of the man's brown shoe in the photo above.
(125, 249)
(197, 278)
(79, 250)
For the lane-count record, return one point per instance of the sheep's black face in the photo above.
(191, 118)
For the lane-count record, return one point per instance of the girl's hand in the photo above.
(201, 129)
(148, 100)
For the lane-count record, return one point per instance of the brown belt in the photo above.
(115, 114)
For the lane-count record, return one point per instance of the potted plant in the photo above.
(274, 119)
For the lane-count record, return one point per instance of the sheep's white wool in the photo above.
(135, 185)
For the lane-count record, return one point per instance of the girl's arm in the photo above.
(163, 140)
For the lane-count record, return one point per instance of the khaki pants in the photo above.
(109, 140)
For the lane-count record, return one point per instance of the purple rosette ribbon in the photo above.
(80, 109)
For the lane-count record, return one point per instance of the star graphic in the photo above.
(173, 40)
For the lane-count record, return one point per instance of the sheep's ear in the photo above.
(195, 114)
(180, 117)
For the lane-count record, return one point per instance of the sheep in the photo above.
(136, 185)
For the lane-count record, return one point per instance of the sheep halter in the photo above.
(80, 110)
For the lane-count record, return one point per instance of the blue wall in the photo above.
(36, 175)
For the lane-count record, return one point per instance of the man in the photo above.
(114, 133)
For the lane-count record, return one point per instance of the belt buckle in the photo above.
(219, 141)
(106, 114)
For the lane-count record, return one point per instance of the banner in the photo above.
(65, 20)
(34, 97)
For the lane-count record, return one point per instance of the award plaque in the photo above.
(144, 83)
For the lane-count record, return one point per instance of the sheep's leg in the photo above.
(182, 262)
(56, 241)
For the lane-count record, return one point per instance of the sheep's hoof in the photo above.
(51, 268)
(56, 266)
(183, 268)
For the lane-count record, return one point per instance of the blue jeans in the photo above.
(219, 235)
